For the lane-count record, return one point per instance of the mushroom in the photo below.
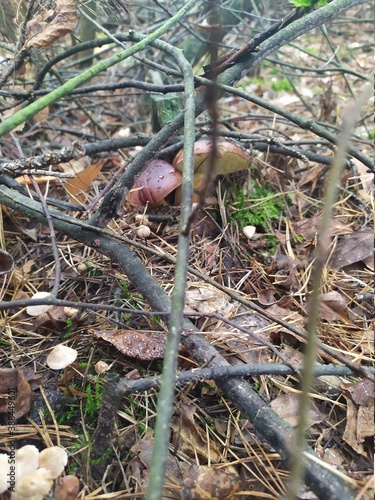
(154, 183)
(26, 460)
(230, 157)
(33, 486)
(61, 356)
(54, 459)
(67, 488)
(40, 309)
(249, 231)
(6, 473)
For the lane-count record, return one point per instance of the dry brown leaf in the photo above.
(283, 272)
(135, 344)
(333, 306)
(353, 248)
(56, 315)
(366, 177)
(287, 407)
(138, 467)
(15, 394)
(84, 178)
(360, 414)
(51, 25)
(144, 448)
(210, 254)
(312, 175)
(191, 438)
(206, 299)
(268, 296)
(308, 228)
(203, 482)
(40, 179)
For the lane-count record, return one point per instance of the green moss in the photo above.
(68, 328)
(371, 135)
(282, 85)
(94, 400)
(258, 208)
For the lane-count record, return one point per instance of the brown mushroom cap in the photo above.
(231, 157)
(154, 183)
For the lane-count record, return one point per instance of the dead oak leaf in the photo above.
(136, 344)
(333, 306)
(190, 438)
(287, 406)
(360, 414)
(15, 394)
(203, 482)
(352, 248)
(51, 25)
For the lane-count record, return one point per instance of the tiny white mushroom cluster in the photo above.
(30, 474)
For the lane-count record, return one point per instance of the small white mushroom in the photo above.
(27, 460)
(101, 367)
(71, 312)
(54, 459)
(37, 310)
(249, 231)
(5, 472)
(33, 486)
(143, 232)
(61, 356)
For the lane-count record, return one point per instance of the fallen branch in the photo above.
(225, 372)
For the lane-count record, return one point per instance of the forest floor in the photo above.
(256, 237)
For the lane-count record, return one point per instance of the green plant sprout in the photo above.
(132, 298)
(68, 328)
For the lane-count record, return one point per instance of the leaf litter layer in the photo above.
(212, 444)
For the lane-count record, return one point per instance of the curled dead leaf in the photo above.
(51, 25)
(15, 393)
(360, 414)
(352, 248)
(136, 344)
